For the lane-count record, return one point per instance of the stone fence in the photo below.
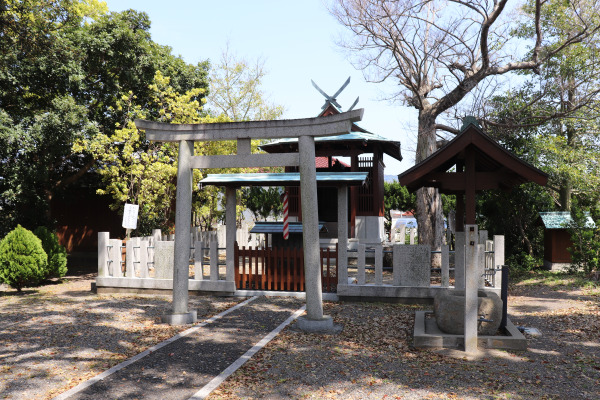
(369, 270)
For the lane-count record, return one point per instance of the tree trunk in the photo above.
(430, 219)
(566, 189)
(566, 186)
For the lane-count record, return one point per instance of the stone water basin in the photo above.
(449, 310)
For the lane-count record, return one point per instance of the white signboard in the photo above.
(130, 215)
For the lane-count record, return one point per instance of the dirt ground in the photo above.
(55, 336)
(372, 357)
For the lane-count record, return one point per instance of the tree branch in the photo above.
(76, 176)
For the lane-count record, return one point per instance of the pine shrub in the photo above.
(57, 254)
(23, 260)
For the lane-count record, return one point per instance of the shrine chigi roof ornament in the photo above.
(357, 136)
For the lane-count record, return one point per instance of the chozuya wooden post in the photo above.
(304, 129)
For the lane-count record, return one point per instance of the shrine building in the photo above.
(362, 152)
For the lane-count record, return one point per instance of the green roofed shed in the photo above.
(562, 220)
(557, 238)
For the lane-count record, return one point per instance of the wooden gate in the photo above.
(280, 269)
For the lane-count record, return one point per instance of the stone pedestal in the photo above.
(323, 325)
(180, 319)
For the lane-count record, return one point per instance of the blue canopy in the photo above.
(284, 179)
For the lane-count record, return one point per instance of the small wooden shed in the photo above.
(557, 238)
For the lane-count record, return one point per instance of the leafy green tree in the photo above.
(263, 202)
(57, 254)
(585, 251)
(396, 197)
(136, 171)
(64, 83)
(23, 260)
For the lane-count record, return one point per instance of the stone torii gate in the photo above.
(303, 129)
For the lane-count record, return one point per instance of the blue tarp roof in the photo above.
(562, 219)
(283, 179)
(277, 227)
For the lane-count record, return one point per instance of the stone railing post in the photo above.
(498, 258)
(115, 258)
(445, 266)
(360, 275)
(379, 264)
(214, 261)
(129, 258)
(143, 258)
(103, 238)
(198, 258)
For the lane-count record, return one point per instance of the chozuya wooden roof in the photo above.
(495, 167)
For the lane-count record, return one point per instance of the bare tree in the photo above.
(235, 90)
(438, 51)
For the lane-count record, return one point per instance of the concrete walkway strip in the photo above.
(152, 349)
(213, 384)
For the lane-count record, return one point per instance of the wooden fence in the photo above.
(281, 269)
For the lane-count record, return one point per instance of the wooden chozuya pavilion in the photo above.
(365, 150)
(470, 163)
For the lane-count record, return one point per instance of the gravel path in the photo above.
(181, 368)
(56, 336)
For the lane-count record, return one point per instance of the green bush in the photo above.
(57, 254)
(585, 251)
(522, 262)
(23, 260)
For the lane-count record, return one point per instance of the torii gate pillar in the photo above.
(183, 212)
(314, 321)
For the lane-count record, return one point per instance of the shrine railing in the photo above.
(367, 271)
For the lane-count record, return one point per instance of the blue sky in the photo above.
(297, 40)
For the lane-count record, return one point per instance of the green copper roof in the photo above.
(283, 179)
(390, 147)
(338, 138)
(562, 219)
